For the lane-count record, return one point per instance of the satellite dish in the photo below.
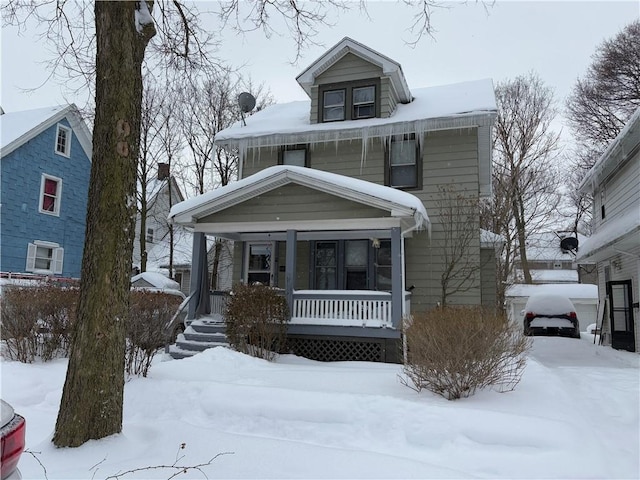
(569, 244)
(246, 101)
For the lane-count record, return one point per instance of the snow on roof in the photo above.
(158, 280)
(571, 290)
(316, 179)
(610, 231)
(591, 178)
(16, 128)
(490, 239)
(546, 246)
(447, 106)
(553, 276)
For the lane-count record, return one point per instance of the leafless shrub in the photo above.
(257, 317)
(37, 322)
(148, 314)
(454, 351)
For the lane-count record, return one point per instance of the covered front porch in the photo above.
(333, 245)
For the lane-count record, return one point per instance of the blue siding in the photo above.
(21, 222)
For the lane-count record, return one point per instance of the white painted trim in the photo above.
(308, 225)
(58, 201)
(67, 147)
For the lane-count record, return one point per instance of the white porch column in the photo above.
(397, 292)
(290, 268)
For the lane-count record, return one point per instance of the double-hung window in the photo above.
(44, 257)
(333, 105)
(149, 237)
(63, 140)
(364, 102)
(349, 100)
(403, 167)
(296, 155)
(50, 192)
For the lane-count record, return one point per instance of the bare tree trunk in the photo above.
(92, 397)
(143, 232)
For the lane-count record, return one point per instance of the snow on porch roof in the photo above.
(398, 202)
(433, 108)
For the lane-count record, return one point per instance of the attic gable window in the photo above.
(403, 169)
(296, 155)
(63, 140)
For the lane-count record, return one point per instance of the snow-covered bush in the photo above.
(257, 317)
(454, 351)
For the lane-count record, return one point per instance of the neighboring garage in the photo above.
(584, 297)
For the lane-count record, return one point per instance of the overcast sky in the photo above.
(554, 39)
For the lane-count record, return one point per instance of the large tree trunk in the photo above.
(92, 398)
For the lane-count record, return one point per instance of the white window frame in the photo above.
(66, 152)
(56, 259)
(150, 235)
(247, 270)
(368, 103)
(58, 196)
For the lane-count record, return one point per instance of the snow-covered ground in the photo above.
(575, 414)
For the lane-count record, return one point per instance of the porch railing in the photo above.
(346, 308)
(332, 307)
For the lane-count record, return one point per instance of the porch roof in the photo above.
(401, 205)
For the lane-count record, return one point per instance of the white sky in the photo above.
(554, 39)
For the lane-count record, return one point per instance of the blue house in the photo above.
(45, 167)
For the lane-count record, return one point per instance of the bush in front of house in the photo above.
(257, 317)
(149, 312)
(455, 351)
(37, 322)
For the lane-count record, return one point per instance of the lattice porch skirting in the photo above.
(338, 349)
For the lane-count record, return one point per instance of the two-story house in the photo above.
(339, 202)
(614, 246)
(45, 168)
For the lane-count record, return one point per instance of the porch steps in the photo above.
(198, 337)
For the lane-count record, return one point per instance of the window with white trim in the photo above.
(63, 140)
(150, 233)
(50, 195)
(44, 257)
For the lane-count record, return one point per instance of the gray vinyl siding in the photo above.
(488, 277)
(449, 157)
(302, 265)
(294, 203)
(347, 69)
(388, 98)
(314, 105)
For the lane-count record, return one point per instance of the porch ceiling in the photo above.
(336, 202)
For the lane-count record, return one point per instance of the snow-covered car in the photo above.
(550, 314)
(12, 434)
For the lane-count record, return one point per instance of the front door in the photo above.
(621, 314)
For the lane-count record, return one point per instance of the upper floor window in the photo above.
(44, 257)
(403, 165)
(50, 190)
(349, 100)
(296, 155)
(63, 140)
(364, 102)
(150, 235)
(333, 104)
